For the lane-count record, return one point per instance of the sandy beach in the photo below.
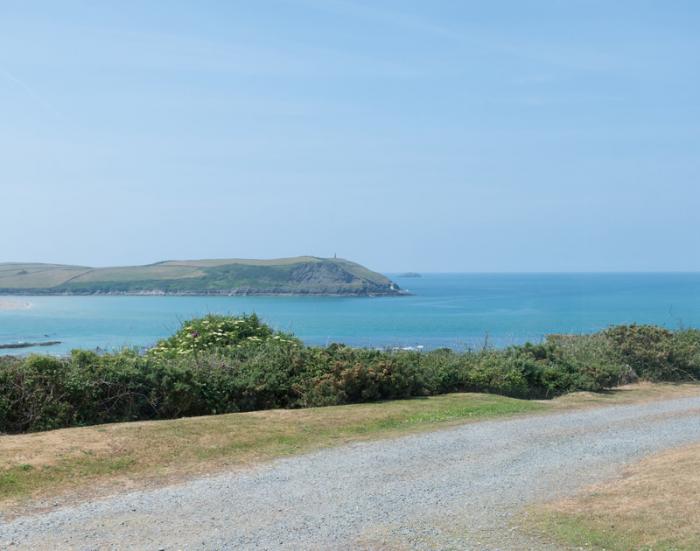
(14, 304)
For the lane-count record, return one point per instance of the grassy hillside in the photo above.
(299, 275)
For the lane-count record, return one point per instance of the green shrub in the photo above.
(502, 372)
(685, 353)
(341, 375)
(594, 359)
(443, 370)
(647, 350)
(35, 392)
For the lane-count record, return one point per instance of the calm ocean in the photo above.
(454, 310)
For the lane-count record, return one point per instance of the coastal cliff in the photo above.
(304, 275)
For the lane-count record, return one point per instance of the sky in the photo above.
(547, 135)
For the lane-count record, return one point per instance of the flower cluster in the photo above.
(217, 333)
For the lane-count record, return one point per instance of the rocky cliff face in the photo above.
(335, 278)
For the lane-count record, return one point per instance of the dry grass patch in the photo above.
(628, 394)
(654, 506)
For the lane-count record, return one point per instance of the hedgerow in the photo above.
(222, 364)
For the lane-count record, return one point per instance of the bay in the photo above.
(453, 310)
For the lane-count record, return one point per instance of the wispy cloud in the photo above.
(32, 93)
(493, 40)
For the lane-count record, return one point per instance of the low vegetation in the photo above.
(221, 364)
(655, 506)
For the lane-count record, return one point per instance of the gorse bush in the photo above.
(222, 364)
(657, 354)
(339, 375)
(646, 349)
(685, 354)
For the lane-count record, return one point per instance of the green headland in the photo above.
(299, 275)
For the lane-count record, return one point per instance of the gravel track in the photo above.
(450, 489)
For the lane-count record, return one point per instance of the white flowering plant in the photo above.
(218, 333)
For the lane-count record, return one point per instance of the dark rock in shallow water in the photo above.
(28, 344)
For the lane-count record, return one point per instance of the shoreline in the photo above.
(8, 304)
(240, 293)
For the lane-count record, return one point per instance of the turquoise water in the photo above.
(455, 310)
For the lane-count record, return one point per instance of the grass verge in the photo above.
(655, 506)
(48, 463)
(87, 461)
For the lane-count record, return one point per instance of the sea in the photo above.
(458, 311)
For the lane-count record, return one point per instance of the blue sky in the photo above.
(432, 136)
